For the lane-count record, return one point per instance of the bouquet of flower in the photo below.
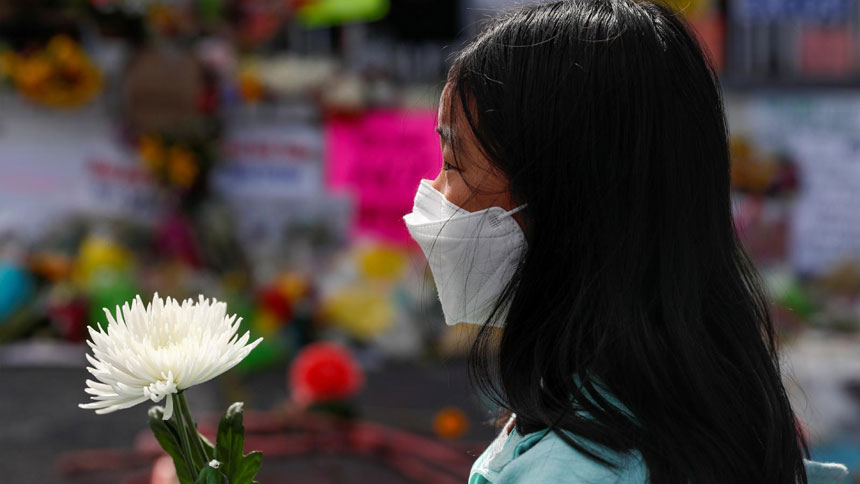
(60, 75)
(156, 352)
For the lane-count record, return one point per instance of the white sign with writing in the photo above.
(55, 163)
(271, 159)
(826, 225)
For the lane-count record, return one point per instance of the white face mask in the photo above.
(472, 255)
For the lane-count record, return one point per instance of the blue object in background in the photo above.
(844, 451)
(765, 10)
(16, 287)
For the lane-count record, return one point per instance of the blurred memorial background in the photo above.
(264, 151)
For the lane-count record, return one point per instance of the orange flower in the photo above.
(66, 52)
(32, 74)
(450, 423)
(151, 151)
(59, 76)
(182, 166)
(7, 63)
(250, 87)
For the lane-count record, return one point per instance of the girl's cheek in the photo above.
(440, 183)
(456, 192)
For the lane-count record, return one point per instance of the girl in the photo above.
(583, 206)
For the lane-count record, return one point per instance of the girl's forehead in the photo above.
(451, 120)
(443, 114)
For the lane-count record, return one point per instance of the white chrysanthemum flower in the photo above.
(151, 352)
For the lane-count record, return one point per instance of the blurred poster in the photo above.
(271, 176)
(772, 119)
(281, 234)
(764, 10)
(818, 131)
(710, 26)
(271, 158)
(379, 158)
(828, 50)
(57, 163)
(117, 185)
(826, 225)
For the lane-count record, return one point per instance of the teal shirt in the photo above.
(542, 457)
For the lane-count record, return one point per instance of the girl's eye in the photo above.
(448, 166)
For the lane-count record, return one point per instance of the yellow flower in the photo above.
(293, 286)
(60, 75)
(361, 311)
(266, 323)
(8, 60)
(382, 262)
(66, 52)
(151, 151)
(182, 166)
(32, 74)
(98, 253)
(162, 17)
(250, 88)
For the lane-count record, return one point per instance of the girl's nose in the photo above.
(439, 182)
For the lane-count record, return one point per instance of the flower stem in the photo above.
(198, 452)
(184, 451)
(187, 438)
(192, 428)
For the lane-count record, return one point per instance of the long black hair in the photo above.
(607, 119)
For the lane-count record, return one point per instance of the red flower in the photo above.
(70, 318)
(324, 371)
(276, 303)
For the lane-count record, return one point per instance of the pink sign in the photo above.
(828, 51)
(380, 157)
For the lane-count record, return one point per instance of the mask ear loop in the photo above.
(513, 211)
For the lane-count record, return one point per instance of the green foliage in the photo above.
(229, 449)
(211, 475)
(171, 442)
(235, 466)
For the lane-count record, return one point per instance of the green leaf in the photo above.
(248, 468)
(169, 439)
(210, 475)
(229, 448)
